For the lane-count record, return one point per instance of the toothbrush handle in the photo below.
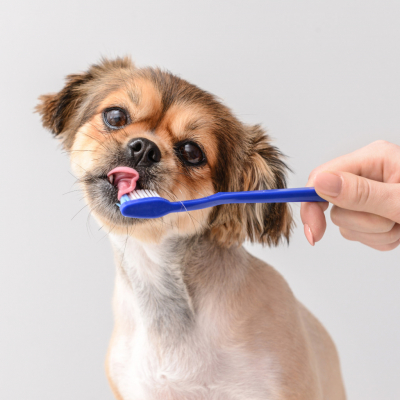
(306, 194)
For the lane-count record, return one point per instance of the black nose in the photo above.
(144, 152)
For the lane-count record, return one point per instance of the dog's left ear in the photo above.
(265, 169)
(261, 168)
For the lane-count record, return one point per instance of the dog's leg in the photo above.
(110, 379)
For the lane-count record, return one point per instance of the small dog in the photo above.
(196, 316)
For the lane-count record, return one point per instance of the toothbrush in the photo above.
(148, 204)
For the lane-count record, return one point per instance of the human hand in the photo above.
(364, 187)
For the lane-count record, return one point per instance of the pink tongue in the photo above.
(126, 185)
(125, 179)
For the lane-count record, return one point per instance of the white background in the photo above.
(322, 77)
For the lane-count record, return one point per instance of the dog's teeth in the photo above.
(111, 179)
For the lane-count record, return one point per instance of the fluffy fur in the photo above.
(196, 316)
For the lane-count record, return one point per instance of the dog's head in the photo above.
(182, 142)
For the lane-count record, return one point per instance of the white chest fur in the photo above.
(162, 348)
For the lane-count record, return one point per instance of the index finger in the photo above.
(379, 161)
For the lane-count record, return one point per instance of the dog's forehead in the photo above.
(174, 108)
(139, 96)
(187, 120)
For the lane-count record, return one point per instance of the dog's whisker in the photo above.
(72, 191)
(75, 151)
(187, 212)
(79, 211)
(188, 188)
(88, 229)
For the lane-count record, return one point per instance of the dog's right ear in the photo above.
(57, 109)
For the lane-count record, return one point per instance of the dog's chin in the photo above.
(102, 198)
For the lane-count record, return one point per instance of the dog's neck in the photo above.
(167, 280)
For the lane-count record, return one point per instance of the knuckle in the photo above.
(362, 191)
(335, 215)
(395, 205)
(346, 233)
(394, 234)
(385, 148)
(386, 226)
(380, 143)
(388, 247)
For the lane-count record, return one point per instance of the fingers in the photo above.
(379, 161)
(355, 193)
(313, 218)
(360, 221)
(364, 204)
(380, 241)
(385, 247)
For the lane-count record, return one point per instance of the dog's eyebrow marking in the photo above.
(193, 125)
(134, 97)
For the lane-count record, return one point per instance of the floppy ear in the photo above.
(263, 168)
(57, 109)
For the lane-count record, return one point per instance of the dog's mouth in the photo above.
(105, 190)
(124, 179)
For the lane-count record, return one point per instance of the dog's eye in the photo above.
(115, 118)
(190, 153)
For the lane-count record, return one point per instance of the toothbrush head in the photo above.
(144, 204)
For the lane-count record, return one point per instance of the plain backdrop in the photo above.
(322, 77)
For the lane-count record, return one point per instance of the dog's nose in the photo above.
(144, 152)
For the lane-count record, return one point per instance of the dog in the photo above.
(196, 316)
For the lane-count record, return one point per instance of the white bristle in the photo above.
(142, 194)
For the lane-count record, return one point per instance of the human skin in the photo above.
(364, 188)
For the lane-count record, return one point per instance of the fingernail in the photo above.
(309, 235)
(328, 183)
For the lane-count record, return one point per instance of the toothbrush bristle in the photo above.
(139, 194)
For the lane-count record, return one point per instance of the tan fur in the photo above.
(196, 317)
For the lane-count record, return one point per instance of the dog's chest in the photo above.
(140, 369)
(163, 350)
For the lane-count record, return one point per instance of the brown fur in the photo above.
(176, 109)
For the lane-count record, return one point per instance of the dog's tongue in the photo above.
(125, 179)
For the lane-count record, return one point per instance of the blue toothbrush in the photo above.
(148, 204)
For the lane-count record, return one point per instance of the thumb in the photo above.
(356, 193)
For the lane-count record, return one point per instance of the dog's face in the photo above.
(116, 120)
